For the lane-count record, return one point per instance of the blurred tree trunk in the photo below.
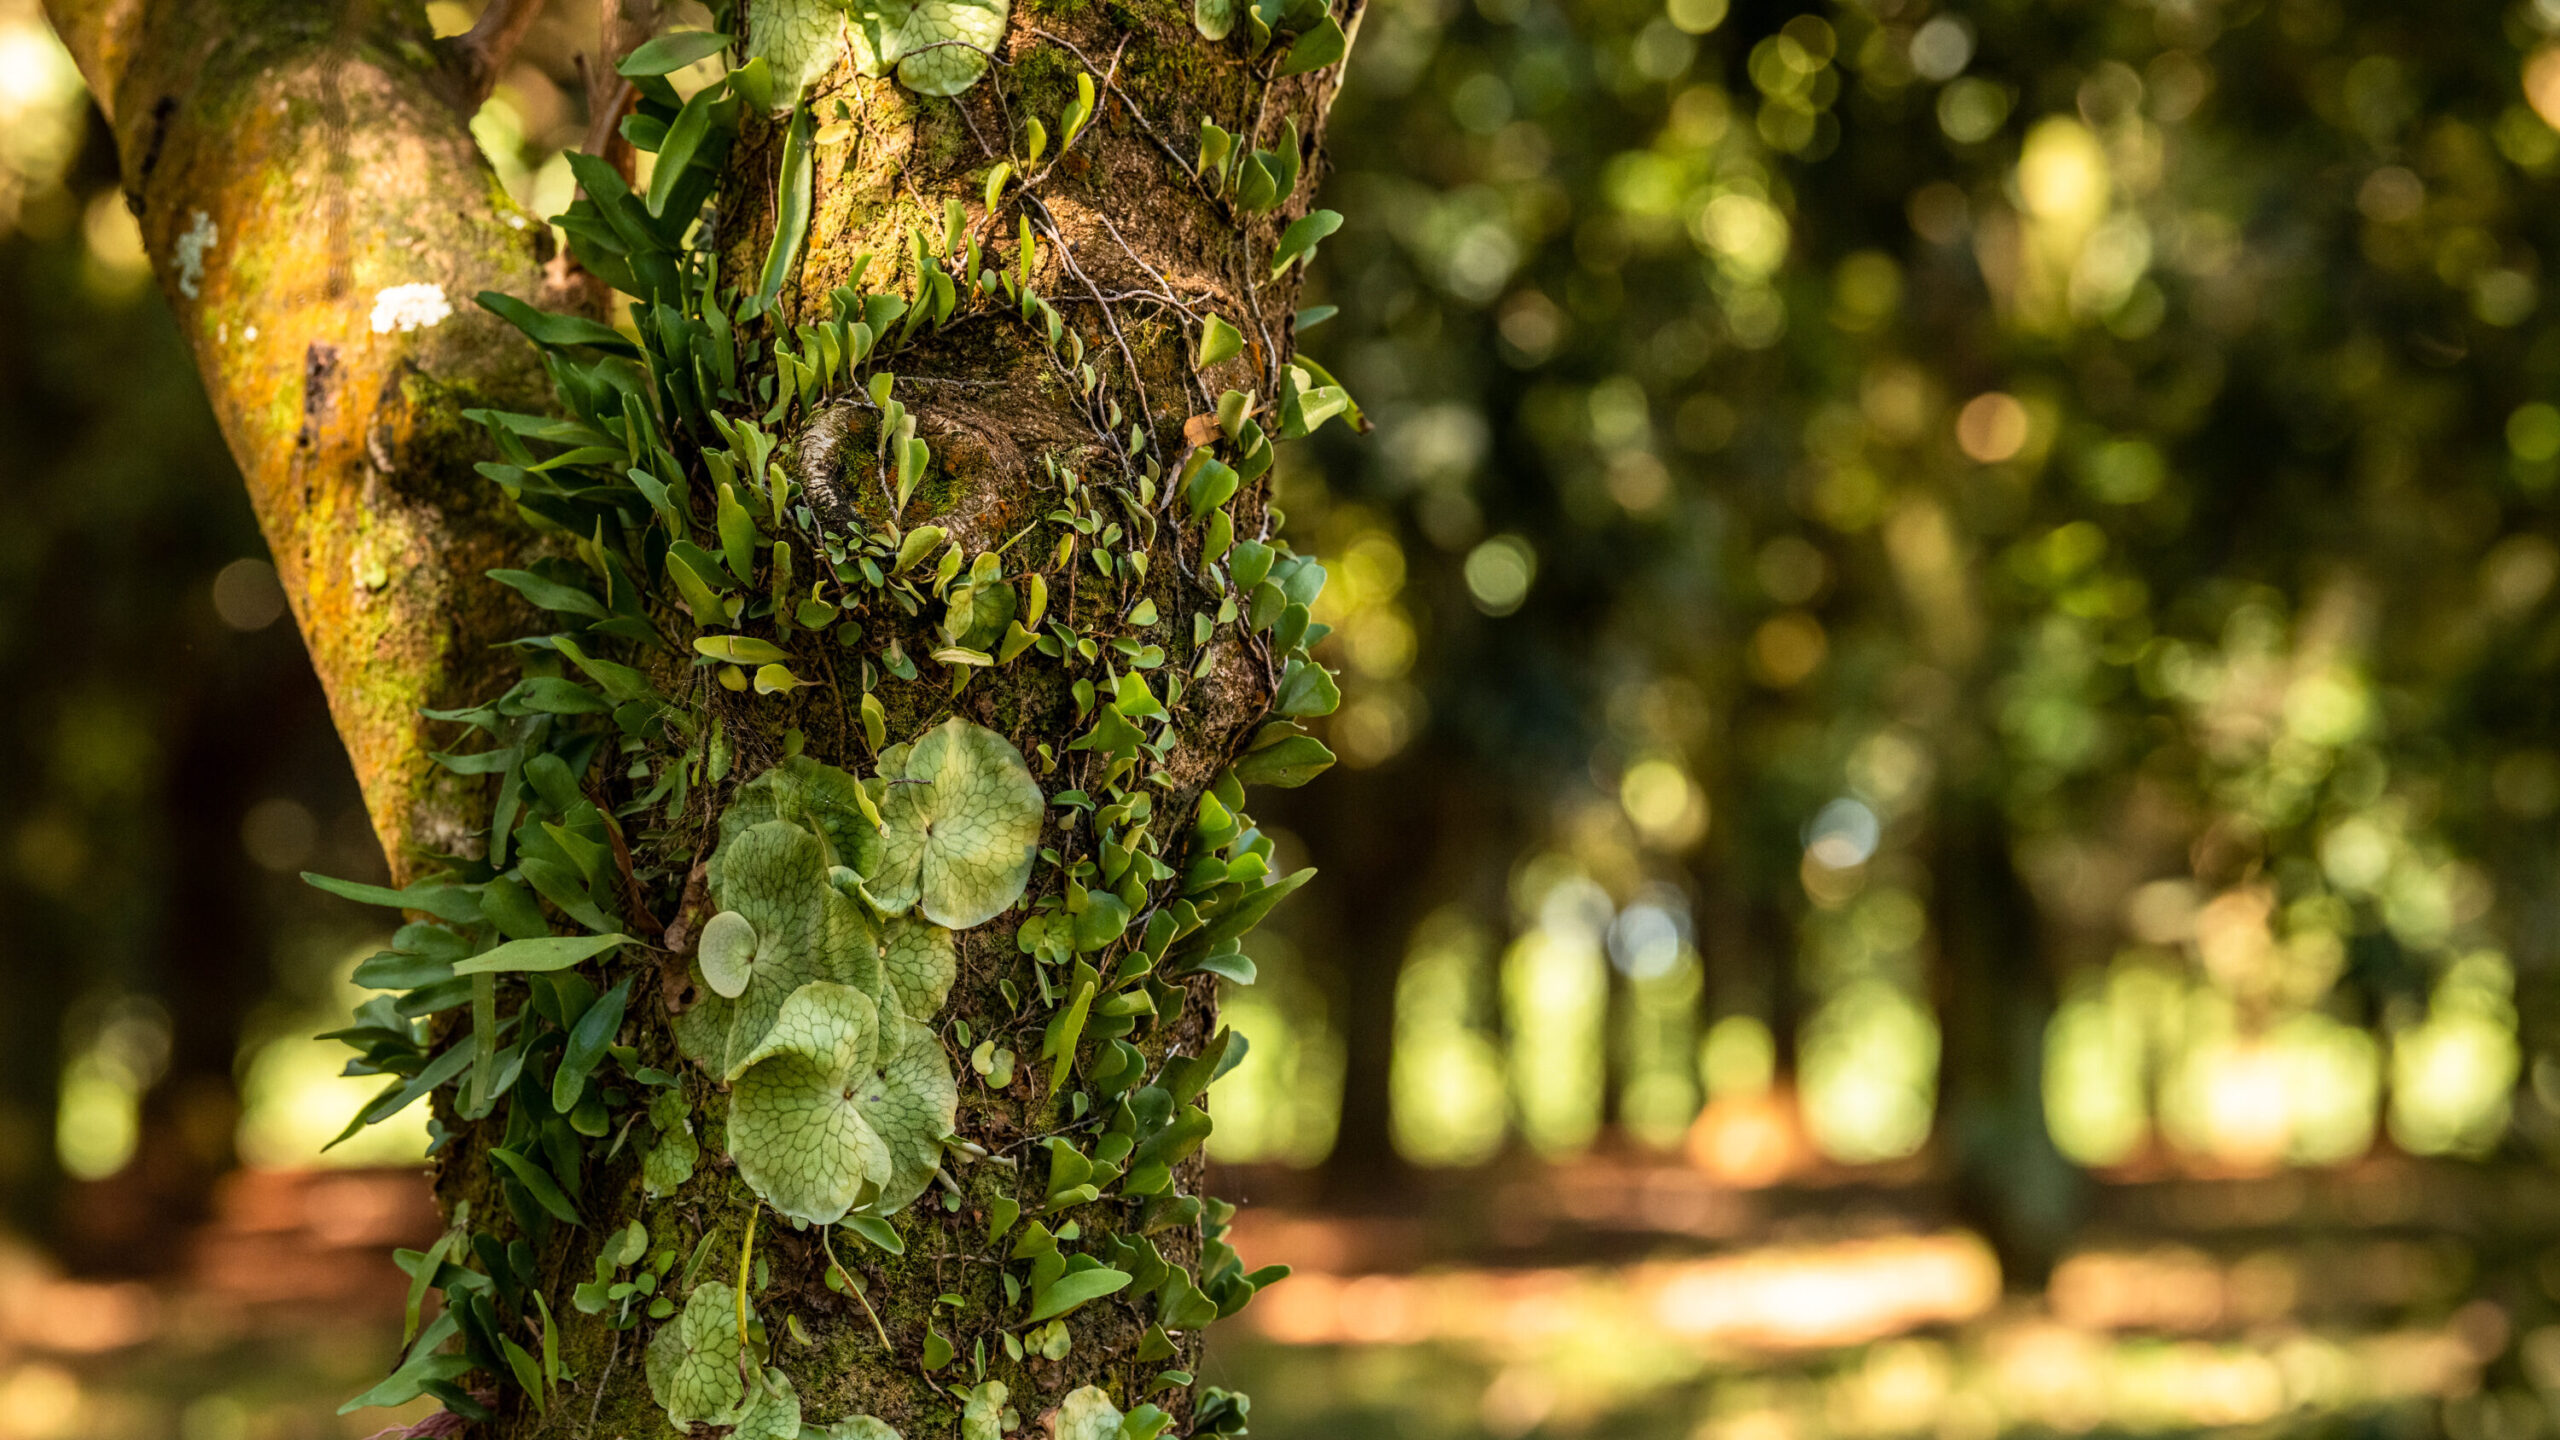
(291, 161)
(2009, 1181)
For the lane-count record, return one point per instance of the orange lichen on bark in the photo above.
(320, 218)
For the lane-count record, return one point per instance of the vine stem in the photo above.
(826, 1239)
(746, 1253)
(1112, 84)
(1067, 256)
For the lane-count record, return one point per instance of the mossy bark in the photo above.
(290, 161)
(1122, 230)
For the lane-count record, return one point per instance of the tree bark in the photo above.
(318, 217)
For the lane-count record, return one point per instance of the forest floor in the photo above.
(1618, 1298)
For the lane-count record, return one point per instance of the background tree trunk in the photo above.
(294, 165)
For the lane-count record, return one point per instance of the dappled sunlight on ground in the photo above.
(288, 1303)
(1786, 1316)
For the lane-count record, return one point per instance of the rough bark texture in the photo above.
(1137, 234)
(290, 161)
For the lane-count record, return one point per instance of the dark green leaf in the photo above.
(1286, 765)
(556, 952)
(588, 1041)
(669, 53)
(538, 1183)
(791, 207)
(1070, 1291)
(1314, 50)
(445, 902)
(556, 331)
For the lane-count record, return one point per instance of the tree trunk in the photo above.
(295, 163)
(291, 162)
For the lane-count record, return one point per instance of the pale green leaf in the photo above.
(964, 827)
(982, 1416)
(692, 1362)
(816, 797)
(669, 1163)
(920, 961)
(854, 1427)
(1087, 1414)
(773, 1413)
(800, 39)
(935, 45)
(911, 1103)
(774, 875)
(728, 953)
(795, 1129)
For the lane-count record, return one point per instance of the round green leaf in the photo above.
(920, 961)
(1087, 1414)
(857, 1427)
(964, 827)
(728, 953)
(774, 875)
(935, 45)
(800, 39)
(773, 1413)
(795, 1129)
(692, 1362)
(910, 1104)
(816, 797)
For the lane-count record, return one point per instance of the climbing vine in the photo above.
(735, 533)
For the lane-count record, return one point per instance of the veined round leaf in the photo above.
(920, 961)
(728, 952)
(817, 797)
(935, 44)
(858, 1427)
(800, 39)
(1213, 18)
(800, 1142)
(773, 1412)
(982, 1414)
(692, 1362)
(1087, 1414)
(774, 876)
(910, 1104)
(943, 38)
(964, 827)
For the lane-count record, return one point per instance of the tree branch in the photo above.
(480, 55)
(319, 219)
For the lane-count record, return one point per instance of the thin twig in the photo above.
(598, 1407)
(1111, 83)
(1066, 253)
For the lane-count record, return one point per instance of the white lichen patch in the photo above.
(193, 244)
(409, 307)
